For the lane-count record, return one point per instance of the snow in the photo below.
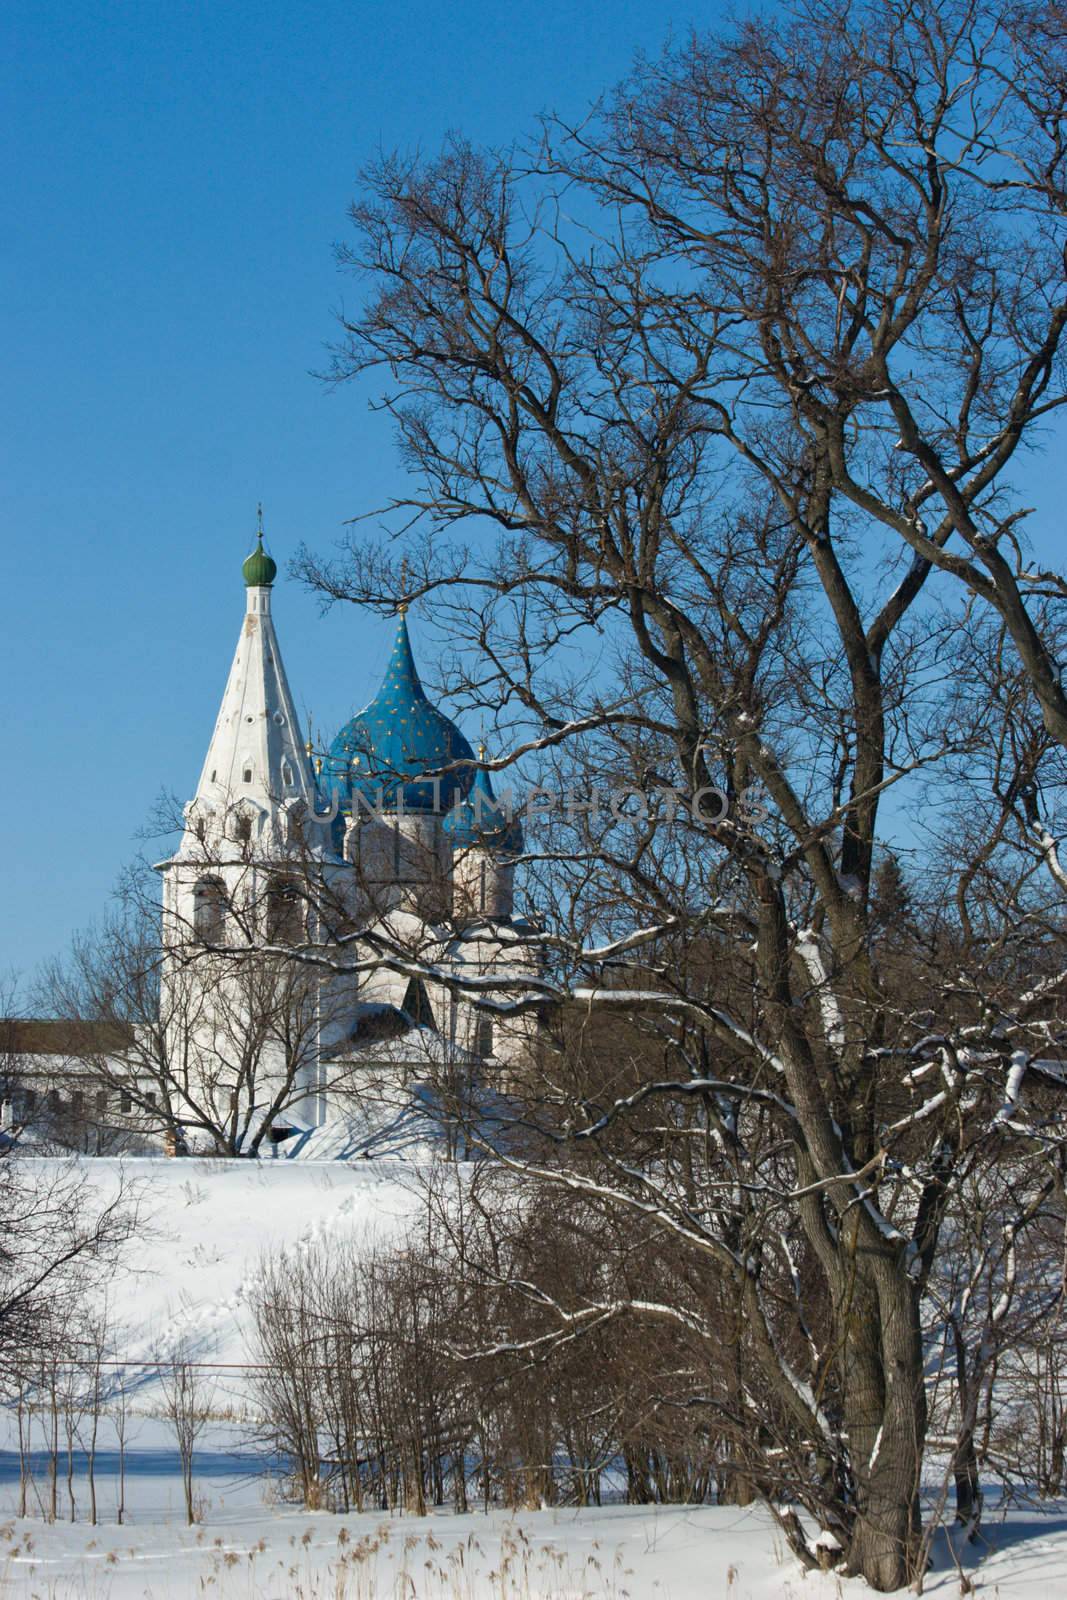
(807, 945)
(641, 1552)
(679, 1553)
(208, 1223)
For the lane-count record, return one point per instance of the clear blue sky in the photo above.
(175, 175)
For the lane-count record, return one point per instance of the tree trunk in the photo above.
(968, 1484)
(24, 1447)
(965, 1456)
(885, 1411)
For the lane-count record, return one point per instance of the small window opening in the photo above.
(483, 1036)
(209, 910)
(284, 920)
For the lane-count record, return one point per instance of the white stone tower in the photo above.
(253, 868)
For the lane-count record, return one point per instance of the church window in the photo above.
(101, 1102)
(248, 774)
(77, 1103)
(283, 912)
(287, 774)
(209, 910)
(242, 830)
(483, 1036)
(125, 1103)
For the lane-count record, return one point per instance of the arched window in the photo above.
(209, 910)
(284, 912)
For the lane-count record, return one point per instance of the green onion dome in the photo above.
(259, 570)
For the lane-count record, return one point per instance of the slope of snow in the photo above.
(205, 1226)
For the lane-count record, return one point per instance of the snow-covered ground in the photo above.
(187, 1280)
(205, 1227)
(663, 1553)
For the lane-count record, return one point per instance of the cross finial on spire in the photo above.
(403, 606)
(259, 521)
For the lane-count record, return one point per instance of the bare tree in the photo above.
(729, 408)
(188, 1395)
(56, 1238)
(119, 1413)
(218, 1045)
(95, 1349)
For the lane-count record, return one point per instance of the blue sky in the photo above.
(175, 176)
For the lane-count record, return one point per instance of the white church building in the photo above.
(327, 917)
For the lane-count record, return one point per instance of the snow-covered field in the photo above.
(664, 1553)
(207, 1225)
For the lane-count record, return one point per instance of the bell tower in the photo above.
(249, 872)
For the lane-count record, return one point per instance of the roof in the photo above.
(385, 748)
(61, 1036)
(478, 820)
(386, 1034)
(259, 570)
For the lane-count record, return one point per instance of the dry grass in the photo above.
(376, 1566)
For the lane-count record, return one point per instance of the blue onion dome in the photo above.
(478, 820)
(396, 738)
